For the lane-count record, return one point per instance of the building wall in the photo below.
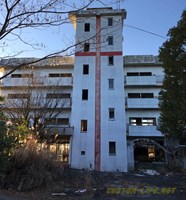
(144, 108)
(101, 130)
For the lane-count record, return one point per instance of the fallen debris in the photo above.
(80, 191)
(58, 194)
(148, 172)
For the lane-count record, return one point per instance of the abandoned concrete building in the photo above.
(107, 103)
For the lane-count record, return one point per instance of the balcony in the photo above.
(144, 80)
(140, 80)
(142, 103)
(159, 80)
(144, 131)
(61, 130)
(40, 81)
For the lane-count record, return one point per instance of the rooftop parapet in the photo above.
(55, 61)
(142, 59)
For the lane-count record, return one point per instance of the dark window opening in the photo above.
(57, 121)
(54, 75)
(112, 148)
(110, 40)
(60, 75)
(85, 69)
(18, 96)
(58, 95)
(140, 95)
(145, 73)
(86, 47)
(111, 60)
(82, 152)
(22, 76)
(66, 75)
(132, 74)
(16, 76)
(139, 73)
(84, 94)
(83, 125)
(87, 27)
(133, 95)
(111, 83)
(147, 95)
(111, 113)
(110, 21)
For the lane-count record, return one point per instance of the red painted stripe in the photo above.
(112, 53)
(98, 95)
(85, 54)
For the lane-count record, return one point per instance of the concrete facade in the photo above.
(143, 81)
(102, 146)
(113, 99)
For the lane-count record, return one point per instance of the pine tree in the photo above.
(172, 120)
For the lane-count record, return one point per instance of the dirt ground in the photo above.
(83, 185)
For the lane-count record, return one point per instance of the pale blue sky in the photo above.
(156, 16)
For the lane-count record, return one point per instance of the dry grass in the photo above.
(29, 169)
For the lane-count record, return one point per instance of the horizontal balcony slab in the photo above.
(41, 81)
(142, 103)
(144, 131)
(60, 130)
(140, 80)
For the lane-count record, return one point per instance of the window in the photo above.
(132, 74)
(110, 40)
(133, 95)
(111, 60)
(21, 75)
(145, 73)
(87, 27)
(18, 96)
(84, 94)
(140, 95)
(82, 152)
(112, 148)
(110, 21)
(147, 95)
(111, 83)
(54, 75)
(60, 75)
(111, 113)
(16, 76)
(139, 121)
(58, 95)
(57, 121)
(66, 75)
(26, 75)
(83, 125)
(85, 69)
(86, 47)
(139, 73)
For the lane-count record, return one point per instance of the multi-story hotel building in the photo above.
(107, 102)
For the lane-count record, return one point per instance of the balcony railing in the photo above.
(142, 102)
(144, 80)
(40, 81)
(144, 131)
(140, 80)
(61, 130)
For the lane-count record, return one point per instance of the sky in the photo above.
(156, 16)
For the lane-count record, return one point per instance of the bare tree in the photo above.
(39, 103)
(20, 15)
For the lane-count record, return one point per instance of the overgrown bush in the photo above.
(29, 169)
